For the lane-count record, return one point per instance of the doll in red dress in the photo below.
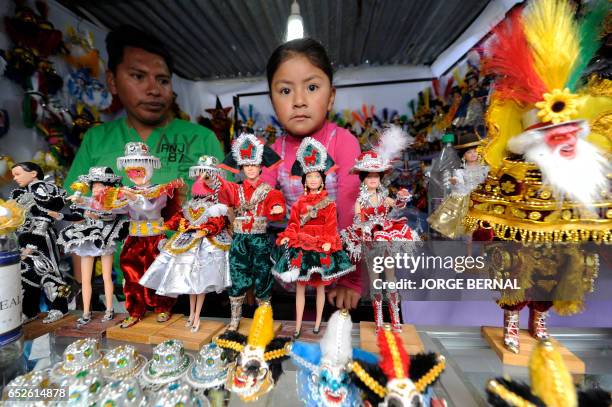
(310, 251)
(373, 222)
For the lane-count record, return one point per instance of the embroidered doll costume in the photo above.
(146, 206)
(254, 203)
(195, 259)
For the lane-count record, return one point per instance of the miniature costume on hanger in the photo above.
(372, 218)
(310, 251)
(255, 361)
(397, 379)
(323, 377)
(40, 271)
(254, 203)
(147, 206)
(98, 235)
(548, 180)
(448, 218)
(194, 260)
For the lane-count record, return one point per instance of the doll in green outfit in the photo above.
(254, 203)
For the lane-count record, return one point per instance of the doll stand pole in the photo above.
(36, 328)
(410, 338)
(95, 329)
(192, 341)
(143, 330)
(245, 325)
(495, 338)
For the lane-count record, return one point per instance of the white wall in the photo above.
(196, 96)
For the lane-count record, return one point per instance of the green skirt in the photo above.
(308, 266)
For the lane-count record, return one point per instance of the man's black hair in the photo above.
(129, 36)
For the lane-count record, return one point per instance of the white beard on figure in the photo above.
(581, 178)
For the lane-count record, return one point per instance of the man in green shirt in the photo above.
(139, 74)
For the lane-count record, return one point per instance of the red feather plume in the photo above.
(364, 110)
(386, 361)
(435, 84)
(449, 86)
(357, 117)
(509, 57)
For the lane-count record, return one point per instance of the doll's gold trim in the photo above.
(368, 380)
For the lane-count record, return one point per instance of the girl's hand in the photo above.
(326, 247)
(389, 201)
(343, 297)
(453, 180)
(284, 240)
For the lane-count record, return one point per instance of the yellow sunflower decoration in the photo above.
(558, 106)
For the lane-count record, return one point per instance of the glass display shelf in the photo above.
(469, 362)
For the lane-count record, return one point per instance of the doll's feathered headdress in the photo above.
(538, 56)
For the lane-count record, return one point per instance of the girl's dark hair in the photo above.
(363, 175)
(29, 166)
(322, 173)
(308, 47)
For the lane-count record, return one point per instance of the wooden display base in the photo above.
(245, 325)
(192, 341)
(36, 328)
(95, 329)
(410, 338)
(495, 337)
(143, 330)
(288, 329)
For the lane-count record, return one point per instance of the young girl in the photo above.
(312, 253)
(97, 236)
(300, 77)
(194, 261)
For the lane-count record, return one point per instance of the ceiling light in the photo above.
(295, 24)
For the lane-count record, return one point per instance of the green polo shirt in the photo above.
(178, 145)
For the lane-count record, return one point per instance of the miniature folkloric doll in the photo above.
(254, 203)
(194, 260)
(255, 361)
(146, 205)
(323, 377)
(40, 271)
(311, 250)
(97, 236)
(448, 217)
(397, 379)
(372, 217)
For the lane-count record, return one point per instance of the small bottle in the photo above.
(442, 168)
